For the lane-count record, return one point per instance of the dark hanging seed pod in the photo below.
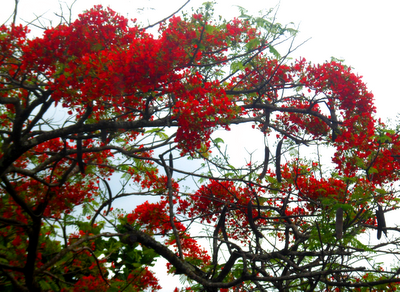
(171, 163)
(266, 122)
(266, 161)
(380, 218)
(251, 220)
(103, 135)
(339, 223)
(278, 161)
(79, 155)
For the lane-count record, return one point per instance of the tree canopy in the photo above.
(102, 97)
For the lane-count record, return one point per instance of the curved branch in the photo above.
(164, 19)
(171, 207)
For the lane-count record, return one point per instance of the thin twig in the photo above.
(147, 27)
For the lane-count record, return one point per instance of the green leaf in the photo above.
(359, 245)
(148, 257)
(254, 43)
(292, 31)
(372, 170)
(236, 66)
(158, 132)
(218, 140)
(345, 207)
(274, 52)
(210, 29)
(113, 289)
(381, 191)
(97, 47)
(260, 22)
(230, 174)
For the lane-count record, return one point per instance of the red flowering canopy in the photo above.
(100, 110)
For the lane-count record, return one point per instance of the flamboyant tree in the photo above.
(102, 98)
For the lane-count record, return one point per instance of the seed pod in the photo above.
(287, 238)
(171, 164)
(284, 205)
(278, 161)
(79, 155)
(251, 220)
(64, 150)
(221, 222)
(339, 223)
(220, 226)
(109, 195)
(334, 135)
(103, 135)
(380, 218)
(266, 161)
(266, 123)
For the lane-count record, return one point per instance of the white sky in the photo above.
(363, 32)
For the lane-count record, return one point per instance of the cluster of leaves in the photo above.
(133, 105)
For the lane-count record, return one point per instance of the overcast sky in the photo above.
(363, 32)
